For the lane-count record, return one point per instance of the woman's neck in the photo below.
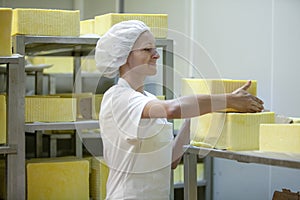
(135, 82)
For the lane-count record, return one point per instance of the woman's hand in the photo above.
(243, 101)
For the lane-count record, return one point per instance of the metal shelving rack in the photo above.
(78, 47)
(15, 147)
(75, 47)
(289, 160)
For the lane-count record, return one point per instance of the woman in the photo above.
(138, 140)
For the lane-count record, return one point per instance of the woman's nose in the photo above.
(155, 55)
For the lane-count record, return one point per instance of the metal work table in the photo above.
(15, 147)
(290, 160)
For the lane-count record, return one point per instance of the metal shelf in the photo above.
(63, 45)
(200, 183)
(41, 126)
(8, 149)
(290, 160)
(53, 45)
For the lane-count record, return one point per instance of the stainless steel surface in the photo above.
(290, 160)
(168, 70)
(8, 149)
(15, 125)
(120, 6)
(208, 176)
(200, 183)
(53, 45)
(190, 176)
(90, 124)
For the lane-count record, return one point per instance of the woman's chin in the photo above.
(152, 70)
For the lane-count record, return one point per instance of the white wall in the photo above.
(257, 39)
(254, 39)
(237, 36)
(249, 39)
(92, 8)
(286, 95)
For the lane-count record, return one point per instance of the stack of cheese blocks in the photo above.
(5, 33)
(158, 23)
(99, 175)
(58, 178)
(2, 119)
(226, 129)
(50, 109)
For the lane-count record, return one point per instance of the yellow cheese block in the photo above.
(85, 103)
(46, 22)
(295, 119)
(235, 131)
(65, 64)
(59, 64)
(49, 109)
(178, 173)
(161, 97)
(158, 23)
(87, 26)
(5, 33)
(99, 175)
(2, 119)
(98, 100)
(58, 180)
(200, 171)
(214, 86)
(279, 138)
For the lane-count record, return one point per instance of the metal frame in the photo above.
(56, 46)
(289, 160)
(77, 47)
(15, 167)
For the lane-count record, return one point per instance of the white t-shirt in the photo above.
(137, 151)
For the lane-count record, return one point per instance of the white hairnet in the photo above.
(115, 45)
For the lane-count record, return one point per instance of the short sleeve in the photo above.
(127, 107)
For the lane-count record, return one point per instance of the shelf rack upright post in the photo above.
(15, 145)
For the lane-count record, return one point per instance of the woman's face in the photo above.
(142, 59)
